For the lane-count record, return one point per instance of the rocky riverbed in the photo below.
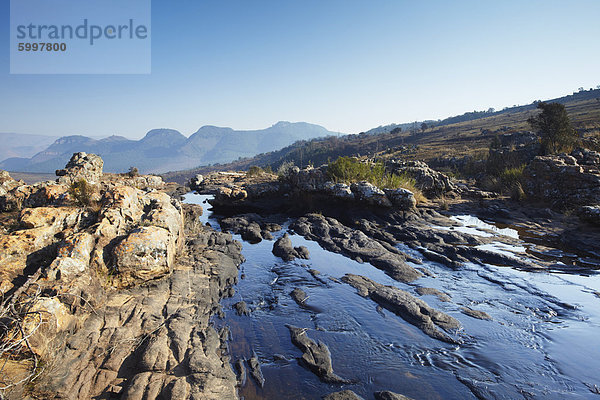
(293, 288)
(416, 303)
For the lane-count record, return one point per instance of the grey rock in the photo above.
(81, 166)
(475, 313)
(342, 395)
(334, 236)
(315, 355)
(387, 395)
(283, 248)
(255, 370)
(411, 309)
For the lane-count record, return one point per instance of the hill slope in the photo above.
(467, 134)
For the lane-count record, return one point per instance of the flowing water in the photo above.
(543, 341)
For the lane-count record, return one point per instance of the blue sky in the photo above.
(348, 65)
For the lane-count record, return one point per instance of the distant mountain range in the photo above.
(23, 145)
(164, 150)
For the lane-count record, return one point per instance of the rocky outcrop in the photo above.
(196, 182)
(82, 166)
(334, 236)
(411, 309)
(252, 227)
(431, 182)
(298, 183)
(283, 248)
(7, 183)
(315, 180)
(315, 356)
(38, 195)
(564, 181)
(115, 307)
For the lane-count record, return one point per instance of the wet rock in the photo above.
(431, 291)
(475, 313)
(387, 395)
(299, 296)
(342, 395)
(252, 227)
(315, 356)
(240, 369)
(81, 166)
(335, 237)
(255, 370)
(241, 308)
(411, 309)
(283, 248)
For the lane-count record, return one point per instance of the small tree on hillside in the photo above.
(554, 126)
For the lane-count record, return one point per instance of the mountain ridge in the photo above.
(164, 149)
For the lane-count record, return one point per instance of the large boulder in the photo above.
(431, 182)
(564, 181)
(81, 166)
(146, 253)
(284, 249)
(402, 199)
(196, 182)
(370, 194)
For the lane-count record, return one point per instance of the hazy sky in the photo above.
(345, 64)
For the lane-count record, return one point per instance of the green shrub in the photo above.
(283, 169)
(510, 177)
(81, 192)
(254, 171)
(133, 172)
(350, 170)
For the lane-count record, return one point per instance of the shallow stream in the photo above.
(543, 341)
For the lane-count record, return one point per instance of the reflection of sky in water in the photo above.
(474, 226)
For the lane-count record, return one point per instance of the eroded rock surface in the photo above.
(82, 166)
(122, 295)
(315, 355)
(283, 248)
(411, 309)
(334, 236)
(565, 181)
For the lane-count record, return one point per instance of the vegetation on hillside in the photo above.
(469, 137)
(554, 127)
